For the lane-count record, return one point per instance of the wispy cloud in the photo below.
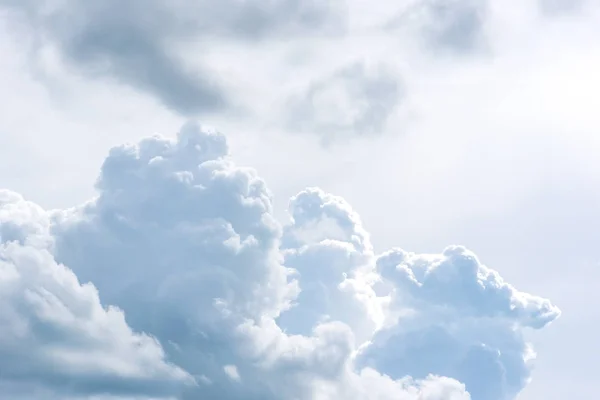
(355, 100)
(142, 43)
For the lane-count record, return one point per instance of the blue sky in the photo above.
(299, 199)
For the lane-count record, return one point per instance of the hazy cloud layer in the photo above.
(454, 25)
(151, 44)
(184, 242)
(167, 49)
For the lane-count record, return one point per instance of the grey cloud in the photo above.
(185, 243)
(135, 41)
(355, 100)
(445, 25)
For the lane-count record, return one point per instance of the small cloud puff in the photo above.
(458, 26)
(185, 243)
(355, 100)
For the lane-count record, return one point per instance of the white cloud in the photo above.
(466, 312)
(232, 372)
(185, 243)
(56, 335)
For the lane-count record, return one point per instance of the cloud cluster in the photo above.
(187, 54)
(220, 301)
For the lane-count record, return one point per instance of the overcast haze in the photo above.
(299, 199)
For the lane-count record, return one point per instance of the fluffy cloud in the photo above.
(354, 100)
(56, 337)
(138, 42)
(454, 316)
(185, 243)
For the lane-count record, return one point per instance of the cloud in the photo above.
(332, 253)
(355, 100)
(56, 336)
(149, 45)
(517, 133)
(445, 314)
(458, 26)
(232, 372)
(185, 243)
(456, 317)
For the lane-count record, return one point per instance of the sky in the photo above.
(296, 200)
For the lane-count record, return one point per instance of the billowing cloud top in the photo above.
(176, 281)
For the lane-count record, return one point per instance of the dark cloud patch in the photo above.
(136, 42)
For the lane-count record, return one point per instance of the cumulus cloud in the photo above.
(238, 306)
(138, 42)
(456, 317)
(355, 100)
(56, 337)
